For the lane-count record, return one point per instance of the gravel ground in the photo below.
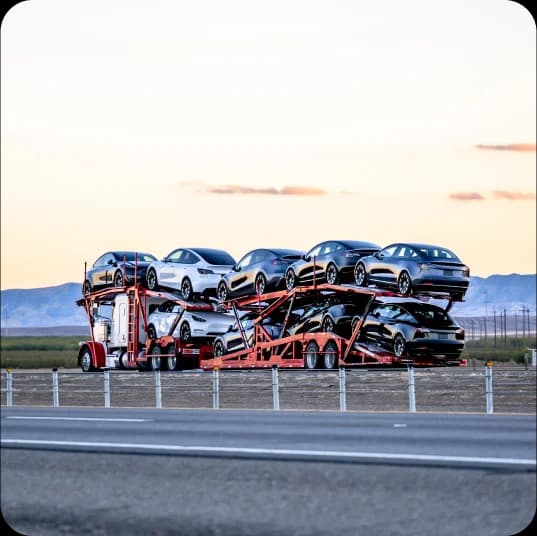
(457, 389)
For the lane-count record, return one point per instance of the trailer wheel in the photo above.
(311, 359)
(123, 361)
(331, 357)
(86, 363)
(332, 275)
(404, 284)
(360, 275)
(399, 345)
(155, 362)
(151, 280)
(172, 362)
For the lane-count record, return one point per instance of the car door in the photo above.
(374, 323)
(238, 277)
(169, 316)
(308, 264)
(381, 269)
(170, 272)
(103, 271)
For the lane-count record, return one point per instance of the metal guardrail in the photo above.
(362, 389)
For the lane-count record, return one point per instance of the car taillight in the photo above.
(421, 334)
(205, 271)
(460, 334)
(198, 318)
(466, 272)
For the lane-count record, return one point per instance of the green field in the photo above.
(56, 351)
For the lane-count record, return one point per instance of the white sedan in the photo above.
(194, 271)
(189, 325)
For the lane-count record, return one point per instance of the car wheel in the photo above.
(222, 291)
(404, 284)
(119, 279)
(151, 332)
(218, 348)
(331, 357)
(354, 323)
(155, 361)
(260, 284)
(86, 288)
(171, 361)
(399, 345)
(151, 280)
(332, 274)
(290, 279)
(327, 324)
(184, 333)
(85, 361)
(311, 359)
(123, 361)
(186, 289)
(360, 275)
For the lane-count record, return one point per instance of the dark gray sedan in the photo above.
(260, 270)
(411, 268)
(329, 262)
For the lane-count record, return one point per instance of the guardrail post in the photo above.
(106, 375)
(342, 390)
(411, 391)
(158, 390)
(488, 388)
(55, 388)
(216, 388)
(9, 393)
(275, 388)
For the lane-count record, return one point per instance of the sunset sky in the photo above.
(129, 124)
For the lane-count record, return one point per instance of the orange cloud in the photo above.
(521, 147)
(514, 196)
(286, 190)
(466, 196)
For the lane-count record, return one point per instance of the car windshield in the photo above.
(215, 256)
(430, 316)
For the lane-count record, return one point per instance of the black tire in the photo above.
(399, 345)
(218, 348)
(222, 292)
(156, 361)
(172, 362)
(354, 321)
(151, 332)
(332, 274)
(185, 333)
(360, 275)
(290, 279)
(311, 359)
(119, 280)
(260, 284)
(404, 283)
(151, 280)
(123, 361)
(186, 289)
(328, 325)
(86, 288)
(86, 363)
(331, 355)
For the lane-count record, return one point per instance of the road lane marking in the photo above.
(79, 419)
(275, 452)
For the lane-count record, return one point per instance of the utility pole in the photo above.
(486, 313)
(494, 327)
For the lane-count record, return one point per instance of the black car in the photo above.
(329, 314)
(117, 269)
(413, 328)
(260, 270)
(331, 262)
(411, 268)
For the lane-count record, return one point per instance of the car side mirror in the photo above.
(306, 257)
(236, 268)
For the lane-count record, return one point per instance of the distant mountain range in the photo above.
(54, 308)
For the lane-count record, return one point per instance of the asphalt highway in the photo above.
(148, 471)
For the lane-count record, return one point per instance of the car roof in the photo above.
(283, 251)
(127, 253)
(351, 244)
(416, 245)
(403, 302)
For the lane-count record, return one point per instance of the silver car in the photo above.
(189, 325)
(192, 271)
(411, 268)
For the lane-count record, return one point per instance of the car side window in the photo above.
(388, 252)
(315, 251)
(329, 247)
(246, 261)
(189, 258)
(99, 261)
(175, 256)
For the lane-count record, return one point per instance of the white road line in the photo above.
(78, 419)
(275, 452)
